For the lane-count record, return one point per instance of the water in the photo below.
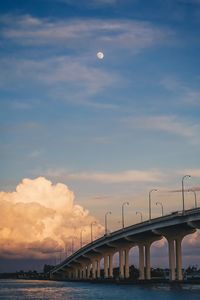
(34, 289)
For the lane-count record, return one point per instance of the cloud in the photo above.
(83, 33)
(112, 177)
(20, 127)
(89, 3)
(62, 78)
(39, 219)
(64, 66)
(166, 123)
(183, 92)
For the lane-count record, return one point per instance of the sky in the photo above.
(79, 135)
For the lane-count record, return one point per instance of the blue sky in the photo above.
(63, 110)
(110, 129)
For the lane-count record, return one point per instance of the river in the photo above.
(35, 289)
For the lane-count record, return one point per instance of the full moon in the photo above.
(100, 55)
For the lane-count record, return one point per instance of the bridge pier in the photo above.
(174, 239)
(121, 263)
(87, 270)
(172, 275)
(126, 258)
(179, 258)
(175, 258)
(76, 273)
(84, 271)
(106, 265)
(141, 262)
(111, 265)
(98, 268)
(147, 261)
(94, 263)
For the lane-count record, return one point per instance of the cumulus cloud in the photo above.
(40, 219)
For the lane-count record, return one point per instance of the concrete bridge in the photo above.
(86, 261)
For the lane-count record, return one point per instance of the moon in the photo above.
(100, 55)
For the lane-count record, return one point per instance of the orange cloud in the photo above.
(40, 219)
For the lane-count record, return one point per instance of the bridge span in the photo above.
(86, 261)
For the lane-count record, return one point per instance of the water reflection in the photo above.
(29, 289)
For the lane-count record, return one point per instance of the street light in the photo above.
(106, 226)
(93, 223)
(154, 190)
(183, 196)
(81, 238)
(125, 203)
(159, 203)
(139, 213)
(195, 197)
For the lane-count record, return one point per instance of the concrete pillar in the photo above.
(84, 271)
(179, 259)
(71, 274)
(121, 263)
(88, 270)
(80, 273)
(126, 252)
(171, 259)
(111, 265)
(67, 274)
(141, 262)
(147, 261)
(93, 269)
(76, 273)
(105, 265)
(98, 268)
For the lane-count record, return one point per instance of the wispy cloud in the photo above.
(20, 127)
(183, 92)
(62, 78)
(89, 3)
(109, 177)
(35, 153)
(74, 75)
(27, 30)
(166, 123)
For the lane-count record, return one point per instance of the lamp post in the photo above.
(183, 195)
(139, 213)
(195, 197)
(93, 223)
(154, 190)
(106, 225)
(159, 203)
(125, 203)
(81, 238)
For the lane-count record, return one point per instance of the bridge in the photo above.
(86, 261)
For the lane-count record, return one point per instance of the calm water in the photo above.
(33, 289)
